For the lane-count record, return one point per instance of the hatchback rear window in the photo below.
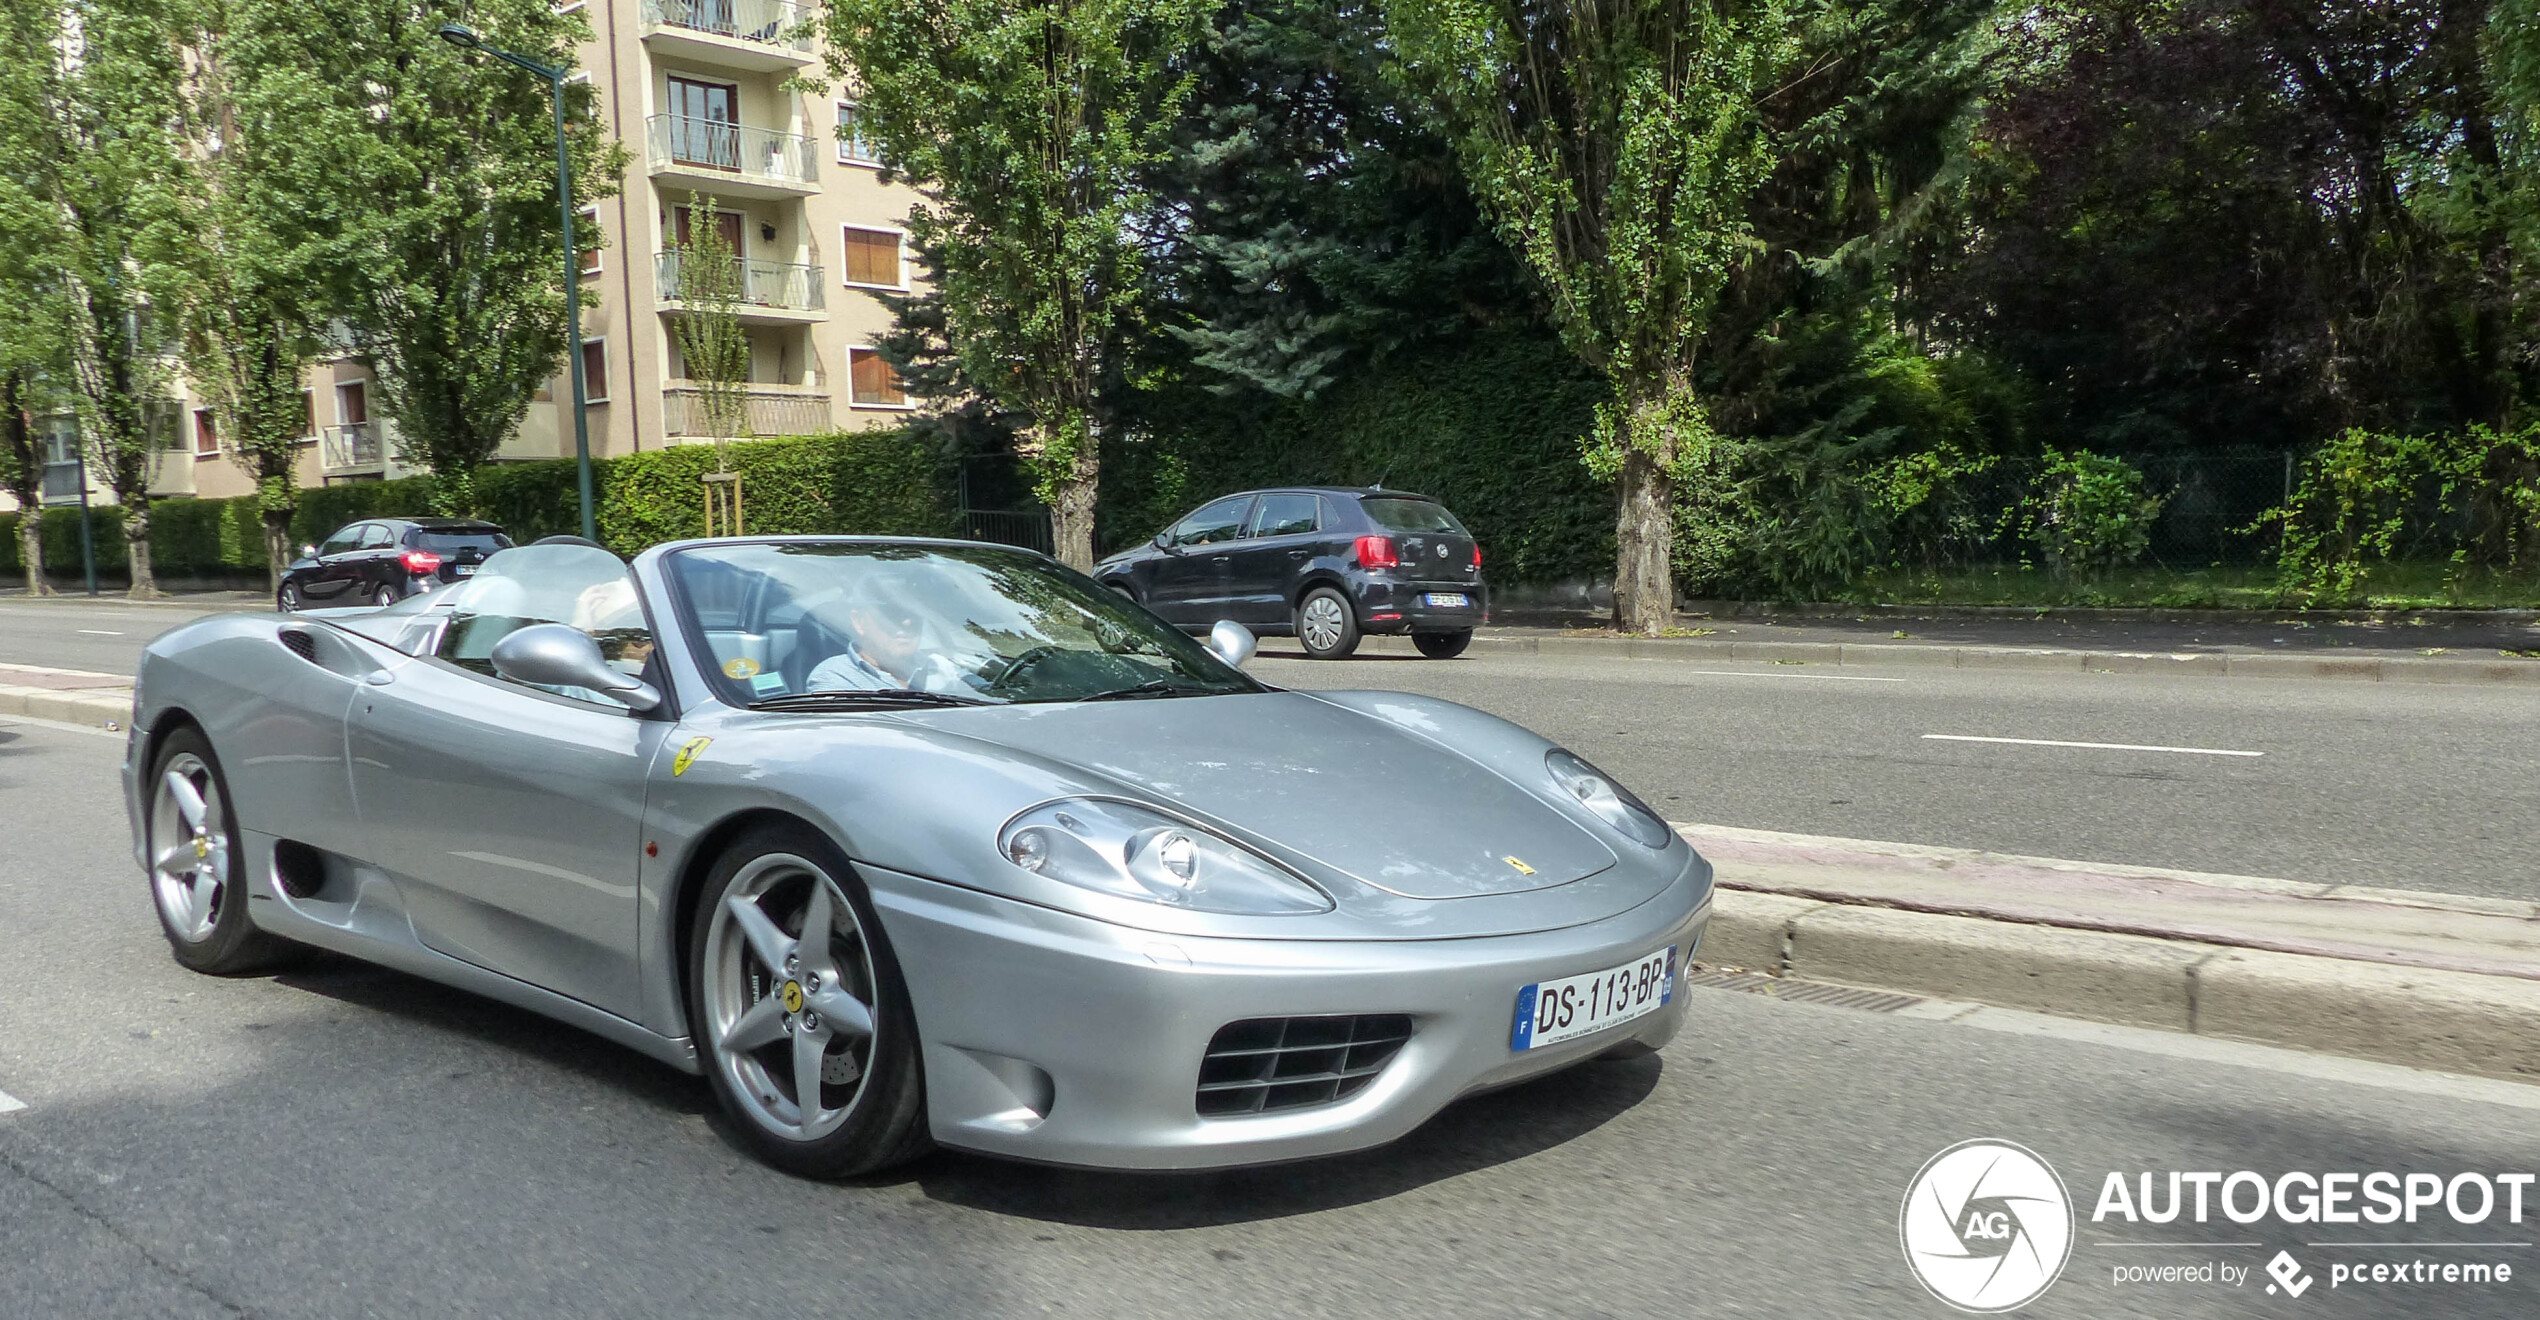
(450, 543)
(1401, 515)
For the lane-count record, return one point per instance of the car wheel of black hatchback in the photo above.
(1326, 624)
(385, 596)
(288, 599)
(1443, 645)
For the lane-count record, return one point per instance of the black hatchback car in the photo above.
(1324, 564)
(384, 560)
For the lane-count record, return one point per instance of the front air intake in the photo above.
(1264, 1065)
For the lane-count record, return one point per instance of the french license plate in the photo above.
(467, 570)
(1451, 598)
(1549, 1012)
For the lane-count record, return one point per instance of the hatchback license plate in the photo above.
(1549, 1012)
(467, 570)
(1455, 598)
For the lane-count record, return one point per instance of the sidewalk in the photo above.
(72, 696)
(2425, 980)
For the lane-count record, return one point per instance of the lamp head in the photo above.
(461, 36)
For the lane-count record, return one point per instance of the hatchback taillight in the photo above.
(1377, 552)
(422, 561)
(1477, 555)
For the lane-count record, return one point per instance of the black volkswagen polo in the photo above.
(383, 560)
(1324, 564)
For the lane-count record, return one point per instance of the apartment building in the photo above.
(696, 89)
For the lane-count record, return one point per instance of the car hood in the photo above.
(1392, 807)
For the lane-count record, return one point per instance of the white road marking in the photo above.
(10, 1104)
(2096, 747)
(101, 632)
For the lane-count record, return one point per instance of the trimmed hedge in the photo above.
(882, 482)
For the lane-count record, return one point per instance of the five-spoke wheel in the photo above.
(798, 1007)
(195, 873)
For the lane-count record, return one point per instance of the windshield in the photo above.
(963, 623)
(1405, 515)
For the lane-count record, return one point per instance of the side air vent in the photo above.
(1263, 1065)
(301, 644)
(298, 869)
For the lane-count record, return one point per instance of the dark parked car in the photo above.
(1324, 564)
(385, 560)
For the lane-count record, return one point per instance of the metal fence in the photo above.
(755, 283)
(1028, 528)
(2210, 501)
(763, 154)
(770, 22)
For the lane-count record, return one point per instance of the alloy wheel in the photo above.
(788, 990)
(1323, 623)
(189, 827)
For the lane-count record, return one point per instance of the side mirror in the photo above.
(308, 552)
(1233, 642)
(1164, 539)
(555, 655)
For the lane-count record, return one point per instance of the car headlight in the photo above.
(1609, 801)
(1120, 848)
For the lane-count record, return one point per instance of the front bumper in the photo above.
(1058, 1038)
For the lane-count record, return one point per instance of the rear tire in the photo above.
(869, 1105)
(198, 869)
(384, 597)
(1443, 645)
(1326, 624)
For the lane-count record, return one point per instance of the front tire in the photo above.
(198, 875)
(1443, 645)
(287, 600)
(1326, 625)
(810, 1044)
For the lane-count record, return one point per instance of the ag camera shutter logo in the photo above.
(1987, 1226)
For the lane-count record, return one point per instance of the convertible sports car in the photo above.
(902, 841)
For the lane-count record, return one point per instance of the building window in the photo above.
(871, 382)
(308, 423)
(873, 258)
(352, 403)
(854, 148)
(595, 370)
(586, 239)
(206, 432)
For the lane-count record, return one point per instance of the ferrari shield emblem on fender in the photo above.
(687, 755)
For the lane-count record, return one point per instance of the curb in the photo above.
(2212, 664)
(2416, 1017)
(109, 709)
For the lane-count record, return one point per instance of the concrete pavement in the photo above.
(342, 1141)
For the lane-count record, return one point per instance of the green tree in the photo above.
(31, 312)
(117, 187)
(714, 351)
(420, 181)
(252, 293)
(1616, 143)
(1029, 126)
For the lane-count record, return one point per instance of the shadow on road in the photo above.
(1470, 1135)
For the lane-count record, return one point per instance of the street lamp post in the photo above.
(466, 38)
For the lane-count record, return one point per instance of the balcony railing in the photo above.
(775, 284)
(687, 142)
(353, 447)
(776, 23)
(766, 410)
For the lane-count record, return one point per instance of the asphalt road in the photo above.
(2396, 785)
(343, 1141)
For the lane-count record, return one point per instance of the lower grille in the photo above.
(1261, 1065)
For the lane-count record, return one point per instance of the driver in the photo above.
(885, 647)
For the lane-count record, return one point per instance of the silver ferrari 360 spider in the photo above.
(903, 841)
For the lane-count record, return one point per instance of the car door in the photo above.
(1279, 539)
(378, 562)
(511, 817)
(337, 573)
(1188, 583)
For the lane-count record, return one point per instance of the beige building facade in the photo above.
(697, 91)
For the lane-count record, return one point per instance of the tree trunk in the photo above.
(1644, 538)
(31, 548)
(278, 554)
(1072, 509)
(136, 542)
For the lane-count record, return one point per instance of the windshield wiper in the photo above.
(1153, 687)
(873, 698)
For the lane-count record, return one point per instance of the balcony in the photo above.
(766, 410)
(351, 450)
(771, 292)
(731, 160)
(765, 36)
